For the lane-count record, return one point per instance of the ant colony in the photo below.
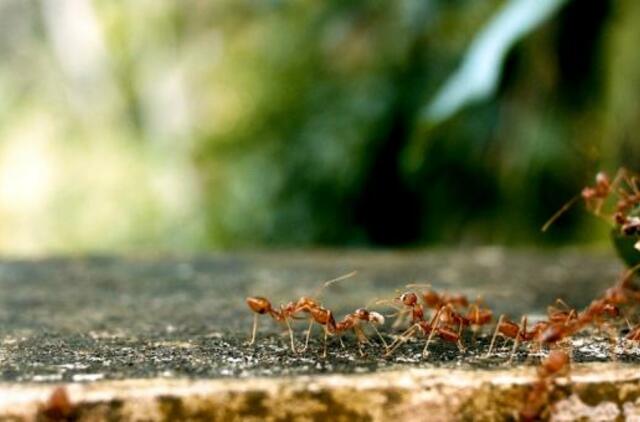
(422, 313)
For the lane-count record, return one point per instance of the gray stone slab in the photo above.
(86, 321)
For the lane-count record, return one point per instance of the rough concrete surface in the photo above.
(164, 338)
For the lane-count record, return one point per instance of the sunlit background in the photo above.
(190, 125)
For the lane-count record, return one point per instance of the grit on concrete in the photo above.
(74, 320)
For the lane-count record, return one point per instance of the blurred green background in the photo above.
(190, 125)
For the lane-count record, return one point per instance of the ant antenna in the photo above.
(334, 280)
(418, 285)
(563, 304)
(560, 212)
(388, 302)
(627, 275)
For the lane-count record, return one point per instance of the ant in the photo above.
(435, 300)
(428, 329)
(432, 300)
(324, 317)
(594, 196)
(565, 315)
(449, 317)
(478, 317)
(556, 331)
(597, 309)
(408, 300)
(353, 320)
(633, 334)
(556, 364)
(58, 407)
(518, 333)
(262, 306)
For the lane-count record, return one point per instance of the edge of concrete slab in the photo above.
(607, 390)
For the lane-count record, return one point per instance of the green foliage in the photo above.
(187, 125)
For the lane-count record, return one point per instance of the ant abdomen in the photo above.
(259, 305)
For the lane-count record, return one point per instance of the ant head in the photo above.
(362, 314)
(619, 217)
(376, 318)
(259, 305)
(602, 178)
(409, 299)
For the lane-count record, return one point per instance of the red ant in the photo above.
(518, 333)
(478, 317)
(58, 407)
(409, 301)
(428, 329)
(593, 196)
(431, 300)
(556, 364)
(352, 321)
(633, 334)
(565, 315)
(262, 306)
(435, 300)
(557, 331)
(449, 317)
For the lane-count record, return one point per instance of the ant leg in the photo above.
(516, 341)
(425, 351)
(613, 341)
(341, 342)
(461, 347)
(631, 183)
(402, 336)
(293, 346)
(361, 337)
(254, 330)
(405, 336)
(560, 212)
(402, 316)
(380, 337)
(324, 354)
(495, 334)
(306, 341)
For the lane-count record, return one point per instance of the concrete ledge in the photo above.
(607, 391)
(106, 338)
